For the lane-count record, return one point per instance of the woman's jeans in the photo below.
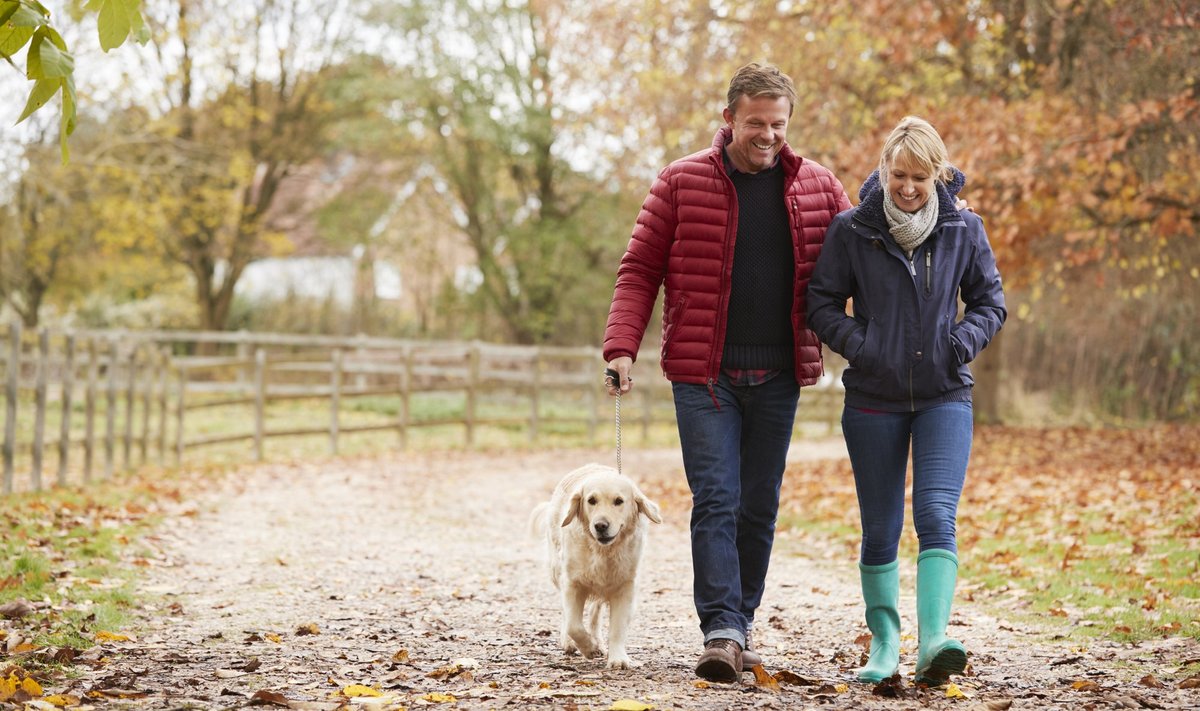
(734, 451)
(878, 446)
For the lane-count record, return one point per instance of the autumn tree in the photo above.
(242, 91)
(480, 91)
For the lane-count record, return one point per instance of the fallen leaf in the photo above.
(763, 679)
(268, 698)
(306, 629)
(1085, 685)
(227, 673)
(1151, 681)
(118, 694)
(252, 665)
(841, 688)
(953, 692)
(61, 700)
(16, 609)
(401, 656)
(359, 690)
(994, 705)
(630, 705)
(891, 688)
(785, 676)
(1192, 682)
(701, 684)
(440, 698)
(111, 637)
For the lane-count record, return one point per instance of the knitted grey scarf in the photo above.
(910, 229)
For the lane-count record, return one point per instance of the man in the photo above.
(731, 233)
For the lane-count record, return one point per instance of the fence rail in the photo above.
(128, 397)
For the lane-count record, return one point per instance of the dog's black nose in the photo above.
(600, 526)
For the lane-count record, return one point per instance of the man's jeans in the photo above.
(878, 446)
(734, 451)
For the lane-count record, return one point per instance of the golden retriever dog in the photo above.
(594, 530)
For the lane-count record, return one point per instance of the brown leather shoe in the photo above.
(721, 661)
(750, 657)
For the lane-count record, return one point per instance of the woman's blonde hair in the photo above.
(917, 139)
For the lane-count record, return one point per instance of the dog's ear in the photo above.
(647, 507)
(573, 508)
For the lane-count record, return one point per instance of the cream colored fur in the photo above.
(595, 528)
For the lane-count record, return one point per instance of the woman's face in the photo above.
(909, 184)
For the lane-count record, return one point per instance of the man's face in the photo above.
(759, 126)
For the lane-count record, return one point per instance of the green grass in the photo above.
(71, 548)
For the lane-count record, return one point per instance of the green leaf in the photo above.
(118, 19)
(12, 39)
(54, 61)
(42, 92)
(24, 16)
(66, 124)
(33, 62)
(7, 9)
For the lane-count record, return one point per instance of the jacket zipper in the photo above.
(929, 270)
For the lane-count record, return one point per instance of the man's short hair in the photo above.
(756, 80)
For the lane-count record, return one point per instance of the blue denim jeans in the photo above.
(878, 443)
(734, 451)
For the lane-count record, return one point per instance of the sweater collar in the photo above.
(870, 195)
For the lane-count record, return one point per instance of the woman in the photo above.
(904, 256)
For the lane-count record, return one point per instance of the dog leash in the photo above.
(613, 379)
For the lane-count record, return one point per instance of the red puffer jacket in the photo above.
(684, 238)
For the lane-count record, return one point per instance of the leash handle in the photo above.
(613, 379)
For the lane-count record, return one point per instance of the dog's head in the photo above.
(608, 504)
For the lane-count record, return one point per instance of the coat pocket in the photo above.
(672, 315)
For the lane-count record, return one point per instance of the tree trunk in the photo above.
(989, 372)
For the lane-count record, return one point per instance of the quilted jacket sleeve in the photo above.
(642, 270)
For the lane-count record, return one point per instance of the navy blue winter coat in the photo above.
(906, 346)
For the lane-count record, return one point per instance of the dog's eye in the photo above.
(618, 501)
(591, 501)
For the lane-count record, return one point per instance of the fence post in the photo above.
(130, 397)
(180, 406)
(242, 351)
(89, 434)
(647, 404)
(260, 367)
(535, 395)
(10, 403)
(148, 381)
(594, 415)
(406, 384)
(473, 358)
(335, 397)
(68, 388)
(110, 413)
(164, 366)
(39, 413)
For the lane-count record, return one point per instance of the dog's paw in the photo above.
(586, 645)
(620, 662)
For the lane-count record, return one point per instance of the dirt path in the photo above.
(424, 599)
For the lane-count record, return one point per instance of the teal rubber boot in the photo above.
(881, 593)
(938, 656)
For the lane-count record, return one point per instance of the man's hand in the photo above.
(622, 366)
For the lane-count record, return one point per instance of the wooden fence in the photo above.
(104, 401)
